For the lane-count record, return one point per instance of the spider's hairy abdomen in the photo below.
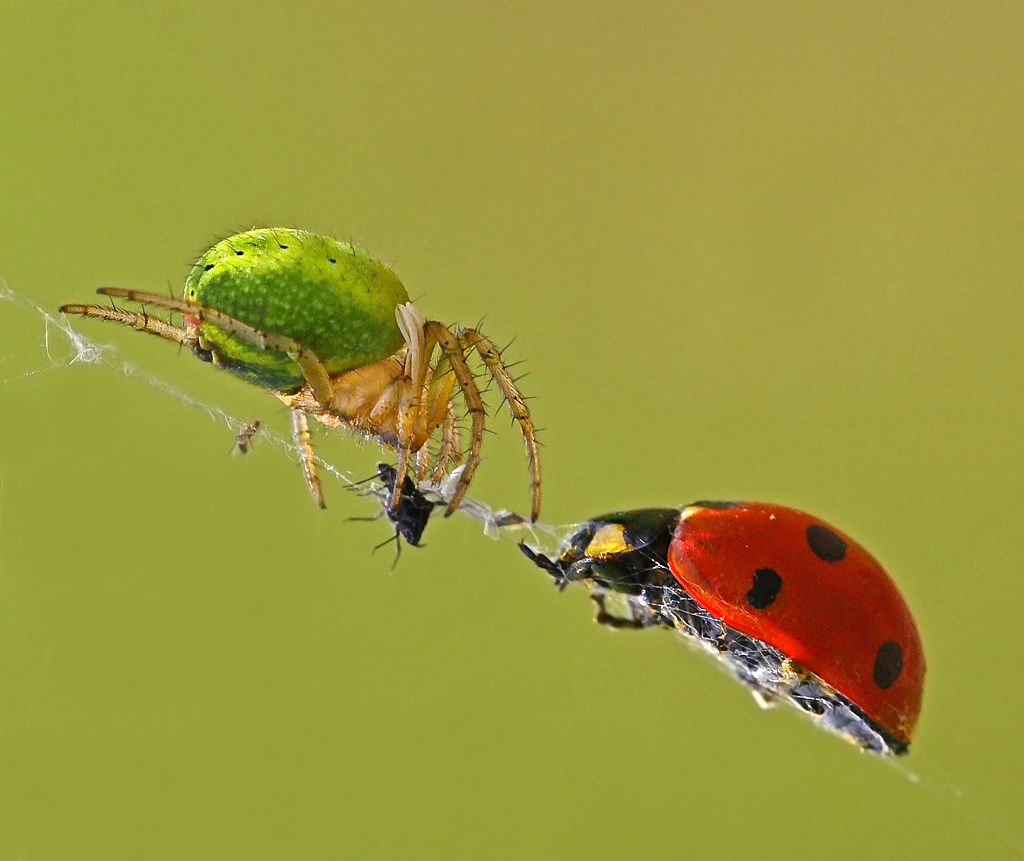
(323, 293)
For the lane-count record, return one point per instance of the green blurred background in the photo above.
(746, 252)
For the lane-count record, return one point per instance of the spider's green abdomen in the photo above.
(322, 293)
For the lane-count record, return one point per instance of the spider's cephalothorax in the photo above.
(331, 331)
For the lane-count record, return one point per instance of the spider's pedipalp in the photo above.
(411, 325)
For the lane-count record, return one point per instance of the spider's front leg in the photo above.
(139, 320)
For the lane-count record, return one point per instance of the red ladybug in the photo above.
(796, 609)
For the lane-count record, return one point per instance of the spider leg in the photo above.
(491, 355)
(437, 392)
(312, 368)
(410, 390)
(137, 320)
(451, 445)
(451, 347)
(433, 389)
(300, 430)
(422, 463)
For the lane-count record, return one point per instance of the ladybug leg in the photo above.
(618, 610)
(612, 619)
(764, 699)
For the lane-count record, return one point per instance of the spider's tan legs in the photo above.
(450, 452)
(438, 385)
(137, 320)
(410, 389)
(402, 401)
(491, 355)
(300, 430)
(451, 348)
(312, 368)
(422, 463)
(423, 453)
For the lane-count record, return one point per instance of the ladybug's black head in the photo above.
(624, 551)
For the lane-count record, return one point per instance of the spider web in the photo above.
(64, 346)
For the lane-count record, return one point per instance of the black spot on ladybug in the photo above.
(888, 664)
(765, 590)
(825, 544)
(708, 503)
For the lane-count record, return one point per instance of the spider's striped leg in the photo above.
(451, 445)
(491, 356)
(137, 320)
(300, 430)
(439, 382)
(453, 350)
(312, 368)
(422, 463)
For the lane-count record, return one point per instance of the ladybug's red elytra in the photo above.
(796, 609)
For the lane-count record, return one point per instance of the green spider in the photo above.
(331, 332)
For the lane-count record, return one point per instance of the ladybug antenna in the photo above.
(555, 569)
